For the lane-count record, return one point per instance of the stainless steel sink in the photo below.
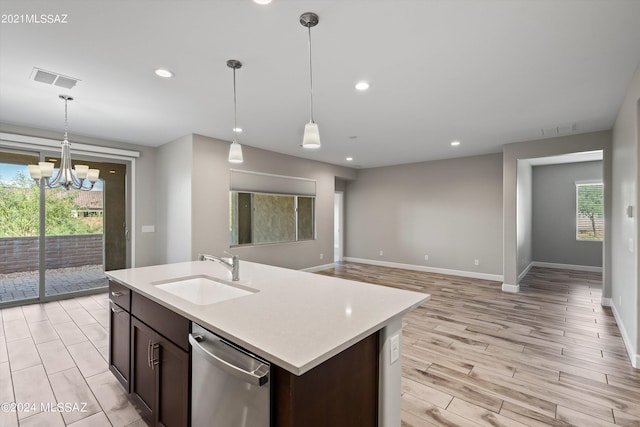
(203, 290)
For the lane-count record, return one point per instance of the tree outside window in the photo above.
(590, 211)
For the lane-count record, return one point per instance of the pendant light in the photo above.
(235, 150)
(311, 138)
(82, 178)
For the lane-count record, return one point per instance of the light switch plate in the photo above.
(148, 228)
(395, 348)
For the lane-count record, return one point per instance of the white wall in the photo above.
(625, 296)
(449, 210)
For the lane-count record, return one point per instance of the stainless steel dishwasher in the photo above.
(230, 387)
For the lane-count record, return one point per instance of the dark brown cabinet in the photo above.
(159, 367)
(143, 380)
(119, 338)
(119, 350)
(149, 355)
(341, 392)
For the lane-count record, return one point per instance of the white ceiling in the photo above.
(485, 72)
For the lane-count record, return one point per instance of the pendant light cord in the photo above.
(66, 122)
(310, 79)
(235, 124)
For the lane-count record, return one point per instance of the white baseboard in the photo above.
(472, 274)
(318, 268)
(566, 266)
(524, 273)
(633, 355)
(510, 288)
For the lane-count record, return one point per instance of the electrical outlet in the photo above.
(381, 253)
(476, 262)
(394, 348)
(321, 256)
(426, 257)
(620, 301)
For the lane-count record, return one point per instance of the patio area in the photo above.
(24, 285)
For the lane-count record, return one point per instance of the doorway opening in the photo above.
(338, 219)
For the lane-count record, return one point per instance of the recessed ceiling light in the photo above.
(349, 159)
(362, 85)
(161, 72)
(238, 130)
(262, 1)
(455, 143)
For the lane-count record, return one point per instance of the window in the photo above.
(260, 218)
(266, 208)
(590, 211)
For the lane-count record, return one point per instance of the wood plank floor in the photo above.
(474, 355)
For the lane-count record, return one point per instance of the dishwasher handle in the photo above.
(246, 376)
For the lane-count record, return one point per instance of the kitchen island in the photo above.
(301, 323)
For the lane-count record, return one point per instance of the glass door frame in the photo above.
(49, 147)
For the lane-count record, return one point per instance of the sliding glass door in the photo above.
(19, 228)
(74, 239)
(57, 243)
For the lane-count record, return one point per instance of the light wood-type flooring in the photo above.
(53, 367)
(474, 355)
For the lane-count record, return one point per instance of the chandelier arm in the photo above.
(66, 176)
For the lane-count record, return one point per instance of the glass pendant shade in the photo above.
(311, 138)
(235, 153)
(235, 149)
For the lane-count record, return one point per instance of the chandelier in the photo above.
(82, 178)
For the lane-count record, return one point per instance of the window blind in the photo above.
(258, 182)
(590, 211)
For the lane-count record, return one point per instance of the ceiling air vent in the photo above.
(53, 78)
(563, 129)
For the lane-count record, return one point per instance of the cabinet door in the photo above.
(119, 344)
(173, 384)
(143, 372)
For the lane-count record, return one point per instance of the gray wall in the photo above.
(449, 210)
(525, 215)
(142, 187)
(545, 148)
(205, 166)
(554, 214)
(174, 177)
(625, 296)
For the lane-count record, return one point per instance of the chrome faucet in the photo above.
(232, 263)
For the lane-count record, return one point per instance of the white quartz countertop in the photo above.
(296, 320)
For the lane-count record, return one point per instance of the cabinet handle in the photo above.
(149, 354)
(155, 361)
(116, 294)
(116, 310)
